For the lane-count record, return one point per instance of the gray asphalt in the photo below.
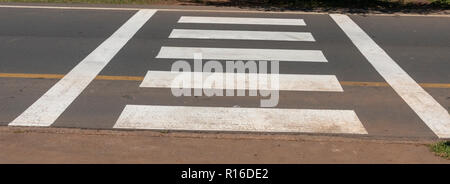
(44, 41)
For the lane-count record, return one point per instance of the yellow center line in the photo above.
(119, 78)
(371, 84)
(138, 78)
(31, 76)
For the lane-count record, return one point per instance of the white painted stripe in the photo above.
(54, 102)
(241, 35)
(242, 54)
(428, 109)
(69, 7)
(166, 79)
(239, 119)
(241, 20)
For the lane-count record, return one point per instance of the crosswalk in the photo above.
(242, 39)
(298, 40)
(237, 118)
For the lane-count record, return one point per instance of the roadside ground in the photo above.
(56, 145)
(428, 7)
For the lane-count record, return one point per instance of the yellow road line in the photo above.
(60, 76)
(31, 76)
(371, 84)
(123, 78)
(138, 78)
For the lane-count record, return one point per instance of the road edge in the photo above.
(134, 7)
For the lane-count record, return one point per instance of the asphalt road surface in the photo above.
(349, 75)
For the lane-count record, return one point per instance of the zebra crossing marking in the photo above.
(242, 54)
(241, 35)
(241, 20)
(239, 119)
(288, 82)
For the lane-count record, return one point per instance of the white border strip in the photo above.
(287, 82)
(70, 7)
(53, 103)
(427, 108)
(241, 20)
(241, 35)
(239, 119)
(242, 54)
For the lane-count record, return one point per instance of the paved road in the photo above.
(368, 76)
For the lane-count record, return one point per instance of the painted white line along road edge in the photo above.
(241, 35)
(242, 54)
(240, 20)
(53, 103)
(170, 79)
(427, 108)
(239, 119)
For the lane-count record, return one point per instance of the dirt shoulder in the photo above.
(55, 145)
(372, 7)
